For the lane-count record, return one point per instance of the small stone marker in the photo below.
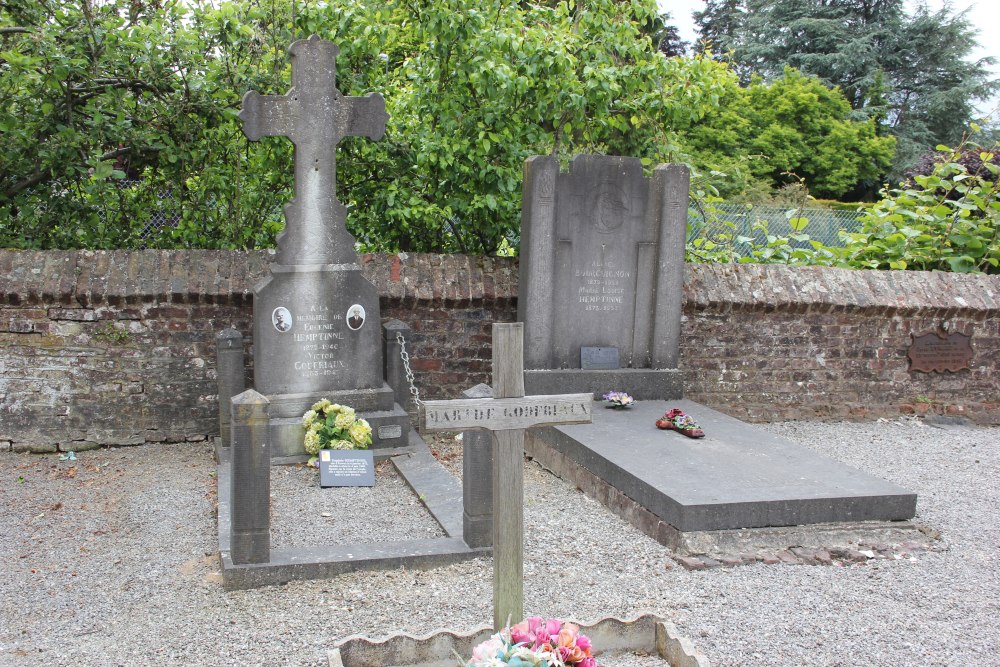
(231, 380)
(506, 416)
(599, 358)
(937, 352)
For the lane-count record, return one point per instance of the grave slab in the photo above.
(737, 476)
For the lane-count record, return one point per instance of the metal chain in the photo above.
(406, 366)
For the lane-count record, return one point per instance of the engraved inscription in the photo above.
(507, 413)
(599, 358)
(390, 432)
(936, 352)
(348, 467)
(602, 286)
(318, 341)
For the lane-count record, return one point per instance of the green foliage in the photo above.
(149, 92)
(794, 124)
(112, 334)
(94, 93)
(913, 73)
(720, 240)
(946, 222)
(485, 85)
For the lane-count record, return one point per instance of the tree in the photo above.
(95, 92)
(911, 73)
(791, 128)
(472, 88)
(935, 86)
(944, 220)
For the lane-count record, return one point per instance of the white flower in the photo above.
(312, 443)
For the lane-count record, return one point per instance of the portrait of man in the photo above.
(355, 316)
(282, 319)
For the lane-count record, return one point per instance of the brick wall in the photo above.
(118, 347)
(776, 342)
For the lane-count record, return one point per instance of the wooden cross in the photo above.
(507, 415)
(315, 116)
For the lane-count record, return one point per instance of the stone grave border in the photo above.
(647, 632)
(467, 525)
(421, 473)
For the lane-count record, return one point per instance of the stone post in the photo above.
(395, 374)
(477, 479)
(230, 375)
(671, 183)
(250, 499)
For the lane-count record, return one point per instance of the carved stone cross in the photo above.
(315, 116)
(507, 415)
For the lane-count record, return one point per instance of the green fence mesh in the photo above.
(823, 224)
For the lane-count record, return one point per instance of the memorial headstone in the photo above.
(317, 326)
(602, 257)
(318, 335)
(602, 270)
(507, 415)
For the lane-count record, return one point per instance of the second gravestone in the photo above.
(317, 326)
(602, 276)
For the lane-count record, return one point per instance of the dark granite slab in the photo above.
(737, 476)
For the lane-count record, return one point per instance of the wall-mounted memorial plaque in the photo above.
(599, 358)
(937, 352)
(346, 467)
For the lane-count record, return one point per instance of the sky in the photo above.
(984, 14)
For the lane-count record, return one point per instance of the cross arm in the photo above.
(368, 116)
(501, 414)
(266, 115)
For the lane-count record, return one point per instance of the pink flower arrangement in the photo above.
(536, 642)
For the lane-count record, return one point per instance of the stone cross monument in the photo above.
(317, 327)
(315, 116)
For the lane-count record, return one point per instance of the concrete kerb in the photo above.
(325, 562)
(443, 648)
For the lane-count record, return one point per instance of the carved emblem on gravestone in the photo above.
(939, 351)
(282, 319)
(610, 208)
(546, 186)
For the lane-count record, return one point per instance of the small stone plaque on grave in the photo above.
(390, 432)
(937, 352)
(346, 467)
(599, 358)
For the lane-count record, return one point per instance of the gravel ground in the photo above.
(111, 560)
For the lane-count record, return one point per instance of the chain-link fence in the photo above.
(155, 219)
(821, 224)
(734, 220)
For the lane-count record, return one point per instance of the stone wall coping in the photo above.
(94, 278)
